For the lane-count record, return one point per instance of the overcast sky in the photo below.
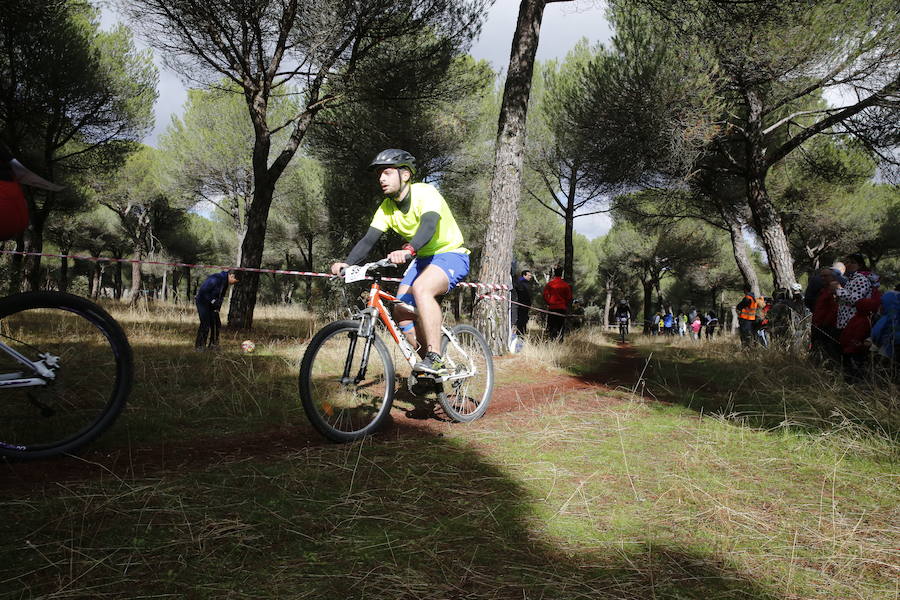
(564, 23)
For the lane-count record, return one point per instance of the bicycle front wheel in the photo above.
(91, 364)
(346, 382)
(467, 394)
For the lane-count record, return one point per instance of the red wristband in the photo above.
(412, 251)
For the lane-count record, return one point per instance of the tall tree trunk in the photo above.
(648, 304)
(309, 267)
(97, 280)
(64, 270)
(16, 266)
(136, 277)
(765, 216)
(176, 279)
(741, 254)
(165, 286)
(117, 280)
(569, 260)
(34, 239)
(243, 297)
(607, 305)
(508, 160)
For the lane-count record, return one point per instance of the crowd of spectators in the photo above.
(854, 323)
(692, 322)
(843, 316)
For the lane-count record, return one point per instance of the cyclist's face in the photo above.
(391, 179)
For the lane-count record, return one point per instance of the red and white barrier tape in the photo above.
(480, 286)
(549, 312)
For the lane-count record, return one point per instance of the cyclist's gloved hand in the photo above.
(398, 257)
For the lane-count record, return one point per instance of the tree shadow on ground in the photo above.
(407, 517)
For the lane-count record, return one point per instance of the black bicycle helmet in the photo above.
(394, 157)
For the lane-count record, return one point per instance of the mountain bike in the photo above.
(65, 373)
(623, 328)
(347, 376)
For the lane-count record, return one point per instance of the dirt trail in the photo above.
(425, 420)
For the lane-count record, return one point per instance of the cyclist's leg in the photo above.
(405, 318)
(431, 283)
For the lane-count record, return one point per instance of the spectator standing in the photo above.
(558, 296)
(855, 289)
(886, 331)
(854, 337)
(712, 321)
(823, 337)
(209, 301)
(696, 326)
(746, 309)
(669, 323)
(761, 325)
(523, 297)
(780, 316)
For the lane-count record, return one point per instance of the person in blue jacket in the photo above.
(886, 331)
(209, 301)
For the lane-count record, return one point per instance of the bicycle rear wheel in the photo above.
(89, 387)
(467, 398)
(344, 398)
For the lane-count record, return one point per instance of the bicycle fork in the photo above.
(367, 332)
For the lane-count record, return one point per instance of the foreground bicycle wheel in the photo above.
(90, 385)
(343, 398)
(467, 398)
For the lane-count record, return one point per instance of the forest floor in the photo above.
(654, 469)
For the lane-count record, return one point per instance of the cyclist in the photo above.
(419, 213)
(623, 313)
(13, 207)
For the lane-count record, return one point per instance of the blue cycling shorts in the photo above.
(455, 266)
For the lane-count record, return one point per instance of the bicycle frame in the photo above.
(43, 368)
(376, 310)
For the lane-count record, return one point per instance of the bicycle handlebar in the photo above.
(359, 272)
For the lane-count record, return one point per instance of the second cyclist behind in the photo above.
(419, 213)
(623, 313)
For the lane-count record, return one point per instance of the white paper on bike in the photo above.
(354, 273)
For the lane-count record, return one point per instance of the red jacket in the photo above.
(825, 312)
(557, 294)
(859, 326)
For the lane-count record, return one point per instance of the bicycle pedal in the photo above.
(423, 384)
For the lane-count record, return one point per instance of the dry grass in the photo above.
(572, 496)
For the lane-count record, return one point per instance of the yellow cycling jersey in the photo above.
(424, 198)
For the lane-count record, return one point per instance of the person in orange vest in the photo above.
(746, 310)
(558, 296)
